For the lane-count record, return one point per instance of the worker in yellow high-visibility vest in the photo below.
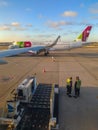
(68, 85)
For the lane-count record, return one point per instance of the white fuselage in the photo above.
(60, 46)
(66, 46)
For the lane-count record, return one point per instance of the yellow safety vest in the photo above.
(68, 81)
(78, 83)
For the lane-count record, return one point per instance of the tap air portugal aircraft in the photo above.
(37, 49)
(78, 42)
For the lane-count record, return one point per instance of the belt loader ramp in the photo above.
(39, 111)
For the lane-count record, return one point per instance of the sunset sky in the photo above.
(44, 20)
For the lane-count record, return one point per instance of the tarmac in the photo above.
(74, 113)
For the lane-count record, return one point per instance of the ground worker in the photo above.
(77, 86)
(68, 85)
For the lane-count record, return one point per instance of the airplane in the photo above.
(24, 44)
(80, 41)
(37, 49)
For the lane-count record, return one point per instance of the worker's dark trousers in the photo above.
(67, 89)
(77, 91)
(70, 89)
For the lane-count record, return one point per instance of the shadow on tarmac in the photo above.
(60, 54)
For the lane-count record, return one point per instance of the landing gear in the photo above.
(46, 53)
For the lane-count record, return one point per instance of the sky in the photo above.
(44, 20)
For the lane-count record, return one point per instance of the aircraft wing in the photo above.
(12, 52)
(36, 49)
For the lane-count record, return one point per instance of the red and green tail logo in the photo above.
(85, 34)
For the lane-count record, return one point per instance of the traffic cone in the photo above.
(53, 59)
(44, 70)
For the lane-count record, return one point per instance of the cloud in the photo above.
(29, 25)
(15, 24)
(3, 3)
(40, 16)
(20, 28)
(82, 5)
(4, 27)
(69, 14)
(94, 8)
(94, 17)
(28, 9)
(58, 24)
(44, 37)
(28, 36)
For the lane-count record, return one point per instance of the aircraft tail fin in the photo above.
(84, 35)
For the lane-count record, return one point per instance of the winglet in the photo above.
(84, 35)
(54, 43)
